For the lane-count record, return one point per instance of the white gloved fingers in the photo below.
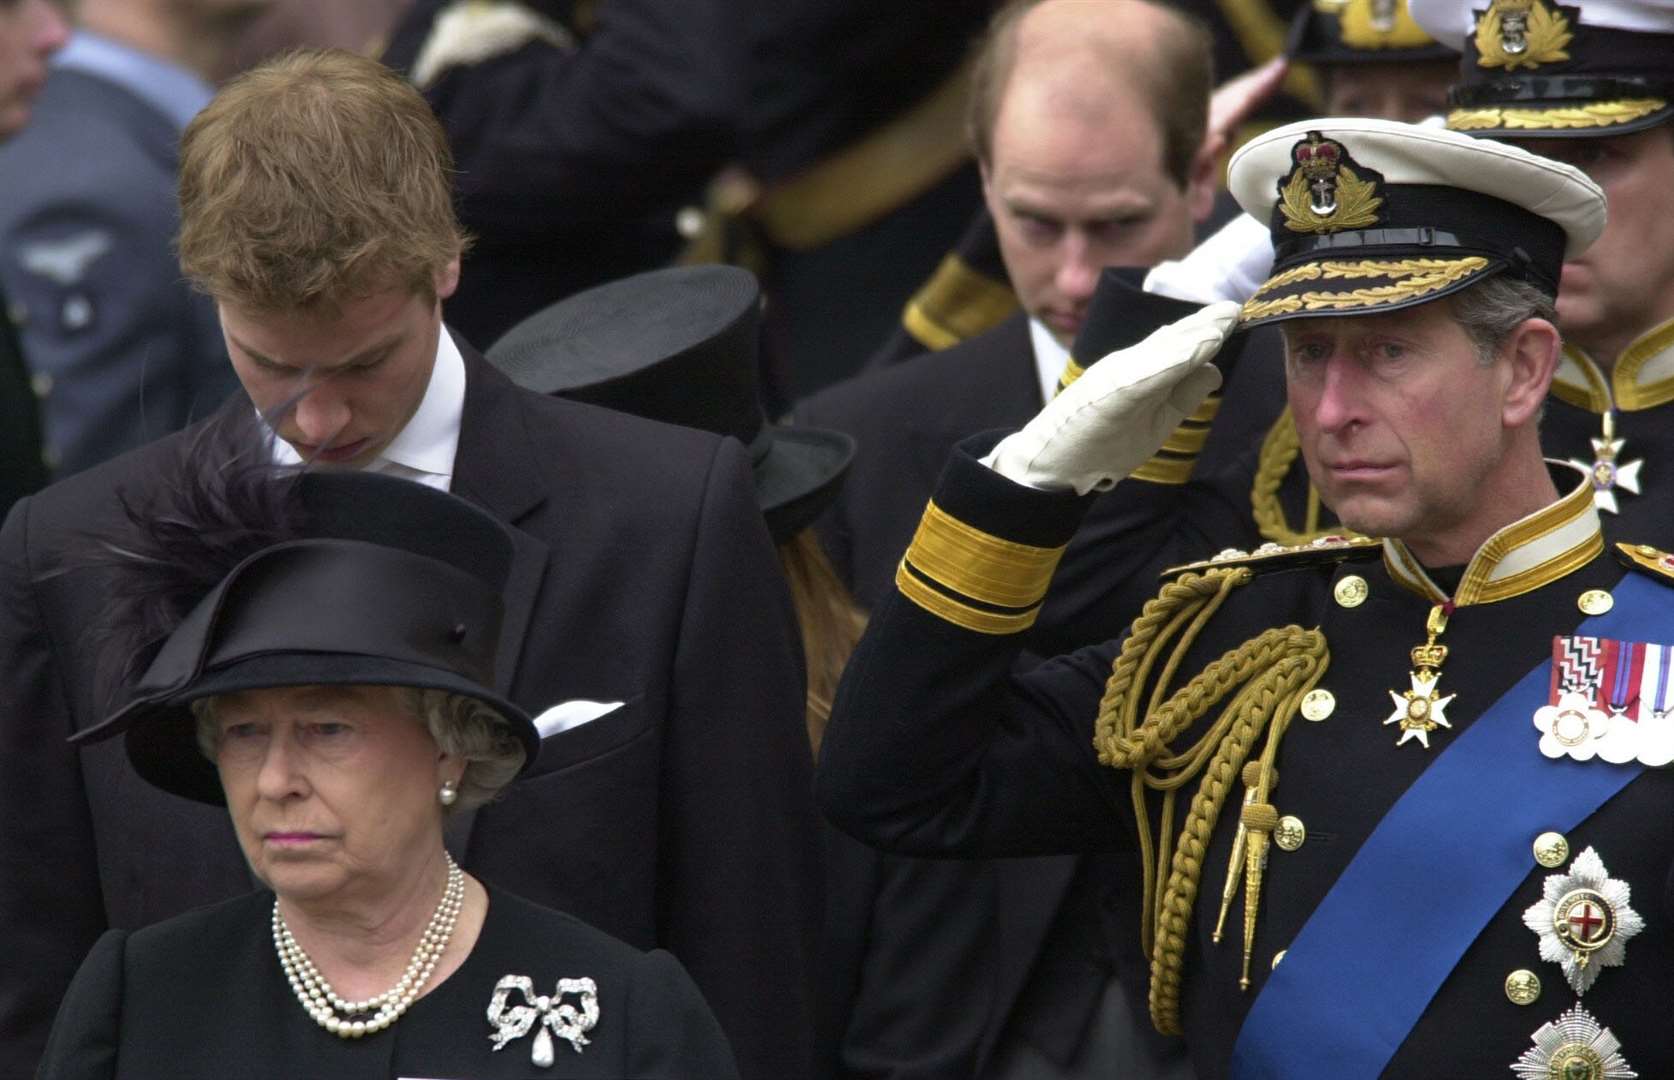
(1108, 422)
(1176, 348)
(1189, 392)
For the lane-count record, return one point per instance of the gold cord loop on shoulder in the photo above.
(1266, 678)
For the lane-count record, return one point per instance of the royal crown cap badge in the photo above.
(1521, 33)
(1325, 191)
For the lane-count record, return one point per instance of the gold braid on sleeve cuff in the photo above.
(1173, 463)
(974, 579)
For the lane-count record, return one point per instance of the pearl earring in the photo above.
(449, 793)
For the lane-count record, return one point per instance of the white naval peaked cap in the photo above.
(1369, 216)
(1546, 70)
(1452, 22)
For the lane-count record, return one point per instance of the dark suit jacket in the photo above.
(926, 960)
(643, 574)
(203, 995)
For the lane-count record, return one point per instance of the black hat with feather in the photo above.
(245, 578)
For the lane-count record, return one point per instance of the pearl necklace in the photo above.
(335, 1014)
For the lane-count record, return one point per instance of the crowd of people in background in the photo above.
(643, 521)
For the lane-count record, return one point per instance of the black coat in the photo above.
(642, 574)
(928, 706)
(203, 995)
(927, 960)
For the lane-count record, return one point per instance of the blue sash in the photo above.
(1372, 955)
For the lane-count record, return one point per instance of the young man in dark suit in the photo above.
(647, 626)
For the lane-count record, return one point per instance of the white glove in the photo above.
(1231, 265)
(1112, 419)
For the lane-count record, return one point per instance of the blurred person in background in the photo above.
(579, 129)
(30, 32)
(1091, 123)
(363, 26)
(121, 348)
(587, 133)
(1372, 59)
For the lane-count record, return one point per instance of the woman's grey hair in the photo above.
(468, 729)
(1490, 310)
(462, 726)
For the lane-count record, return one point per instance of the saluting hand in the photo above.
(1110, 420)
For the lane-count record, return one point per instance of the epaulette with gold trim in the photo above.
(1651, 560)
(1322, 551)
(958, 303)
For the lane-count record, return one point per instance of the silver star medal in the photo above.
(565, 1019)
(1607, 471)
(1574, 1045)
(1584, 921)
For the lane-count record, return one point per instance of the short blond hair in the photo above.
(317, 177)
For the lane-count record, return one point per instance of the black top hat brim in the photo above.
(161, 734)
(799, 475)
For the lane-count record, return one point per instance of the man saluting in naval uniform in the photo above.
(1382, 789)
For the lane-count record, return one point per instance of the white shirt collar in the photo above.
(1050, 359)
(425, 449)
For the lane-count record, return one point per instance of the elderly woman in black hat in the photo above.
(329, 649)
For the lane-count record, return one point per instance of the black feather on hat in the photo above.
(234, 574)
